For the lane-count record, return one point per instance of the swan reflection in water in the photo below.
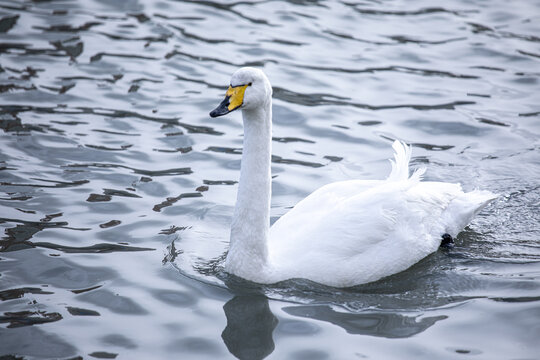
(251, 323)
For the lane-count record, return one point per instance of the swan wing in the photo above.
(332, 194)
(354, 232)
(325, 196)
(381, 230)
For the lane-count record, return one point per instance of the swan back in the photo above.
(357, 231)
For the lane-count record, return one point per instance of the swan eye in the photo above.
(250, 84)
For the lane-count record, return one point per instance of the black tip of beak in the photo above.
(222, 109)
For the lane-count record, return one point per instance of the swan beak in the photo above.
(234, 98)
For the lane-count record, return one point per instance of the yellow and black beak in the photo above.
(234, 98)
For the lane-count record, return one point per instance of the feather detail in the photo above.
(400, 164)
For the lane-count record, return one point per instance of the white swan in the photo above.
(345, 233)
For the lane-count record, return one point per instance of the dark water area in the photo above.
(117, 188)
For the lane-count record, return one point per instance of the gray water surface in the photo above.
(117, 188)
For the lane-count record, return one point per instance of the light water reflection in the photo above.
(388, 325)
(116, 188)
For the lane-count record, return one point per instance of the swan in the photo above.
(345, 233)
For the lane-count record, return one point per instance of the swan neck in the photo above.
(248, 252)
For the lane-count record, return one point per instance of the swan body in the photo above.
(345, 233)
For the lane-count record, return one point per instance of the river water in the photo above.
(117, 188)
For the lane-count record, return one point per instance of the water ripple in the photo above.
(57, 183)
(92, 249)
(422, 11)
(328, 99)
(403, 69)
(11, 294)
(68, 27)
(28, 318)
(165, 172)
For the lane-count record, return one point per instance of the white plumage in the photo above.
(345, 233)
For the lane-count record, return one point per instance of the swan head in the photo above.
(249, 89)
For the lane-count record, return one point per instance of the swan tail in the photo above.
(400, 164)
(465, 207)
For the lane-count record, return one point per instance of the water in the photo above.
(117, 188)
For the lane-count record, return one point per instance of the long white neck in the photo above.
(248, 252)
